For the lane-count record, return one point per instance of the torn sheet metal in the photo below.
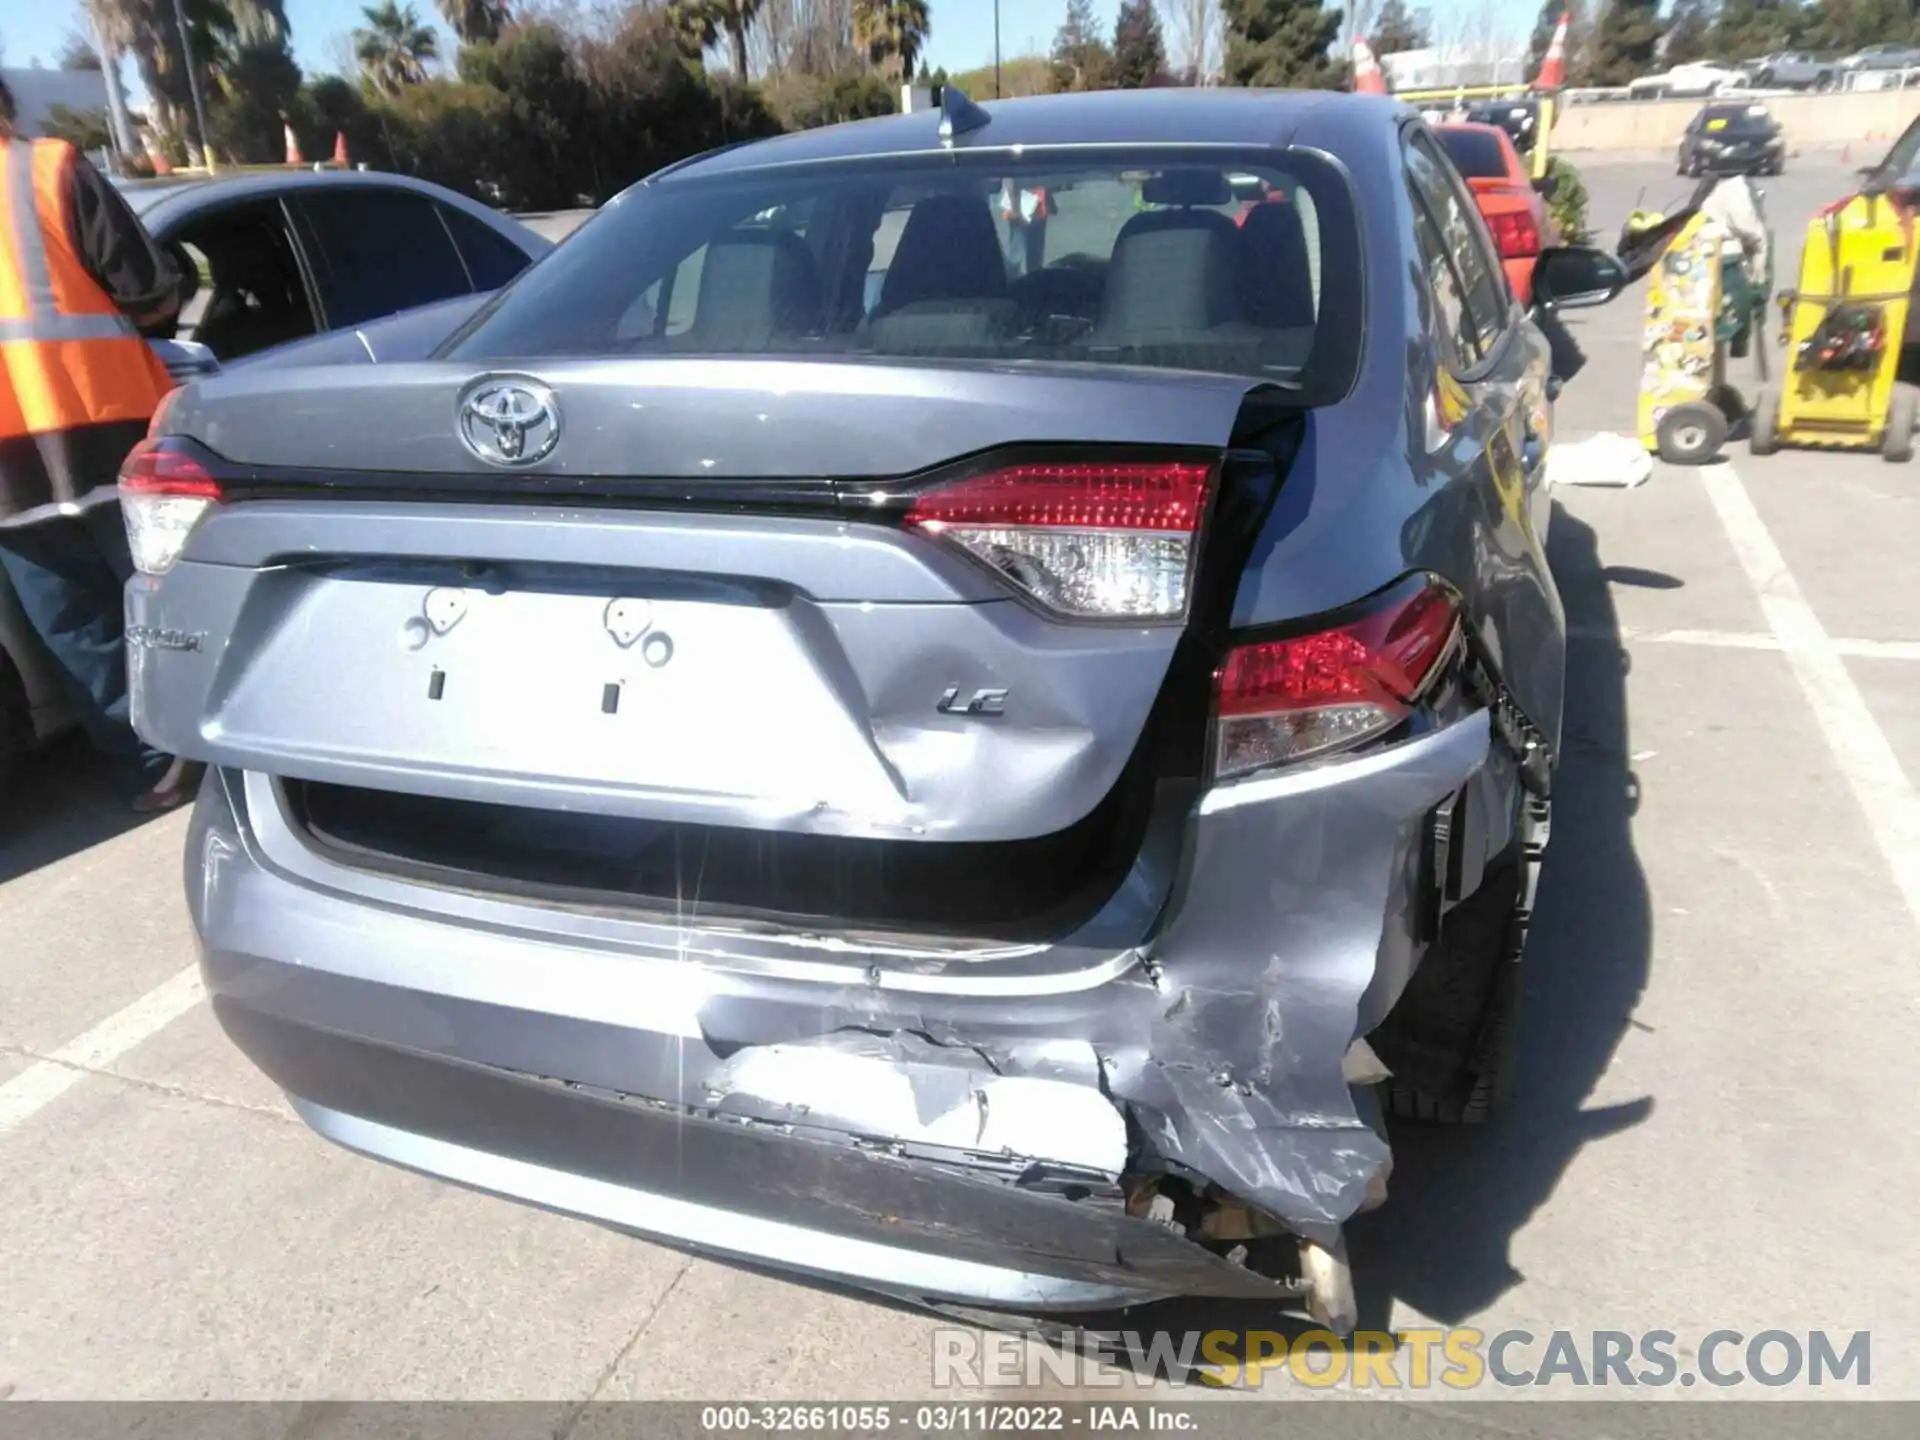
(1228, 1044)
(1245, 1064)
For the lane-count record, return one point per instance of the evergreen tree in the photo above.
(1746, 29)
(1081, 59)
(1839, 26)
(1139, 48)
(1688, 29)
(1280, 42)
(1625, 42)
(1396, 29)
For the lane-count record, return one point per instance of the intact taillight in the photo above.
(165, 490)
(1514, 233)
(1094, 539)
(1278, 701)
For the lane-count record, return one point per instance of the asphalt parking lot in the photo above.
(1714, 1130)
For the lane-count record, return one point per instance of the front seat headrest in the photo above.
(949, 249)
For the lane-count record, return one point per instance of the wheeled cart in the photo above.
(1702, 307)
(1843, 327)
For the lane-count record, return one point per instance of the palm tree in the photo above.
(695, 25)
(476, 21)
(147, 30)
(700, 23)
(108, 31)
(892, 32)
(393, 47)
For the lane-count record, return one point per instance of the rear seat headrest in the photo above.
(756, 285)
(1174, 273)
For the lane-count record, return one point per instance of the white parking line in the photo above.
(1859, 745)
(1746, 640)
(46, 1080)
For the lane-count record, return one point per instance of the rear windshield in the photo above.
(1736, 122)
(1475, 154)
(1245, 266)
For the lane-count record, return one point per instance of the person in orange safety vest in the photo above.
(79, 278)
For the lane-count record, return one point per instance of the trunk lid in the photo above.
(375, 607)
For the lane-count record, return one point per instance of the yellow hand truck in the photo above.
(1843, 327)
(1704, 304)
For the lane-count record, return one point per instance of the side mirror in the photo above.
(1546, 185)
(186, 360)
(1576, 277)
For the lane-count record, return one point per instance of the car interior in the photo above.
(242, 289)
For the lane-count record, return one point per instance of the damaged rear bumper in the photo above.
(921, 1130)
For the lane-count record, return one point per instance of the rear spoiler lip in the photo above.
(862, 498)
(698, 423)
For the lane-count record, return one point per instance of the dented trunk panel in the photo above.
(786, 674)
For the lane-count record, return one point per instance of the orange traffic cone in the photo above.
(1367, 79)
(1553, 65)
(340, 148)
(293, 148)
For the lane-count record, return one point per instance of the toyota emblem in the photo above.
(508, 420)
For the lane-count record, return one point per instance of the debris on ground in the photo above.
(1609, 459)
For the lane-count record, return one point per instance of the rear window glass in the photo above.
(1475, 154)
(492, 259)
(1248, 268)
(1737, 122)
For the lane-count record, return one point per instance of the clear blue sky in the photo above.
(962, 29)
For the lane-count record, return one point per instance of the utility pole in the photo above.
(193, 84)
(996, 49)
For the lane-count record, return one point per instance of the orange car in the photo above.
(1512, 202)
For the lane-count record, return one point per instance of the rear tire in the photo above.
(1453, 1038)
(1763, 424)
(1691, 434)
(1896, 445)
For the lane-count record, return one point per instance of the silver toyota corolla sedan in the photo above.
(958, 702)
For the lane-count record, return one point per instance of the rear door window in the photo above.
(1464, 233)
(492, 259)
(379, 251)
(251, 293)
(1459, 337)
(1477, 154)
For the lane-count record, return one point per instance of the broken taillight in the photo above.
(1098, 539)
(165, 490)
(1278, 701)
